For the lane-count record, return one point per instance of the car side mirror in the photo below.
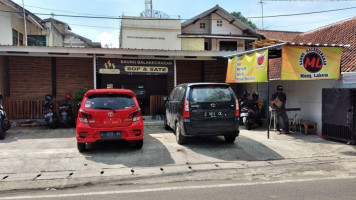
(79, 104)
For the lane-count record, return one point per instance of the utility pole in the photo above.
(261, 2)
(24, 21)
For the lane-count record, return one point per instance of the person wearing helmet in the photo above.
(244, 100)
(256, 105)
(278, 101)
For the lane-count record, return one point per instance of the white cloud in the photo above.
(108, 40)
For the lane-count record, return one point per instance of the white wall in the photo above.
(306, 95)
(151, 34)
(195, 28)
(226, 27)
(5, 26)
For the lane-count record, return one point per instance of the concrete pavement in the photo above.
(41, 157)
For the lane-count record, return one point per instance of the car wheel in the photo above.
(179, 137)
(81, 147)
(138, 144)
(230, 139)
(166, 124)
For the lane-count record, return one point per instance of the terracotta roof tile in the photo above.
(279, 35)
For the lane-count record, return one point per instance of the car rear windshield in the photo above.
(211, 94)
(110, 101)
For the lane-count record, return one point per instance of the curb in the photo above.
(56, 179)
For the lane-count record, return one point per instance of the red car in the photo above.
(109, 114)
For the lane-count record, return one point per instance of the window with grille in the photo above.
(20, 39)
(15, 37)
(202, 25)
(36, 40)
(219, 23)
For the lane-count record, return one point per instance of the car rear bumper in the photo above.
(188, 130)
(87, 134)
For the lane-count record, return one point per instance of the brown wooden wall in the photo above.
(30, 77)
(73, 74)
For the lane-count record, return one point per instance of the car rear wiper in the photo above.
(105, 108)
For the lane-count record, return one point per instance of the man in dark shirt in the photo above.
(278, 101)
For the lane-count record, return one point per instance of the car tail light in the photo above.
(237, 111)
(84, 117)
(186, 113)
(136, 115)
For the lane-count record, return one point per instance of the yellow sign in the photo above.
(248, 68)
(310, 63)
(146, 69)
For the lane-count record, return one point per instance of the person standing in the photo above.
(278, 100)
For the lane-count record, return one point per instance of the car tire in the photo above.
(230, 139)
(179, 137)
(138, 144)
(166, 126)
(81, 147)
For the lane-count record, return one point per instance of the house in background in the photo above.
(12, 30)
(217, 30)
(70, 39)
(40, 32)
(150, 33)
(213, 30)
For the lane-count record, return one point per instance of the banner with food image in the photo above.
(248, 68)
(310, 63)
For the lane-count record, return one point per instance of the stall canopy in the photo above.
(302, 61)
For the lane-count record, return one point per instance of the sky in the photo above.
(107, 31)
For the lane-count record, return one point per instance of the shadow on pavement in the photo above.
(38, 132)
(244, 149)
(153, 153)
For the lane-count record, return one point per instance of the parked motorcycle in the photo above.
(66, 117)
(4, 121)
(50, 112)
(250, 113)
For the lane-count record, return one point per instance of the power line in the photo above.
(139, 18)
(89, 14)
(306, 13)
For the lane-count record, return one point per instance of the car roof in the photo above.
(109, 91)
(203, 84)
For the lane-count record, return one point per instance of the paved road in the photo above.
(294, 189)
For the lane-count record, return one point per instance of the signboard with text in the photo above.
(134, 66)
(248, 68)
(310, 63)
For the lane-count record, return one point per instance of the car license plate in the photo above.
(110, 134)
(212, 114)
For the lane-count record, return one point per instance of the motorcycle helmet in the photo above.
(245, 93)
(48, 97)
(255, 95)
(68, 96)
(280, 88)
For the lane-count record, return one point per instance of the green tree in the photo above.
(239, 16)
